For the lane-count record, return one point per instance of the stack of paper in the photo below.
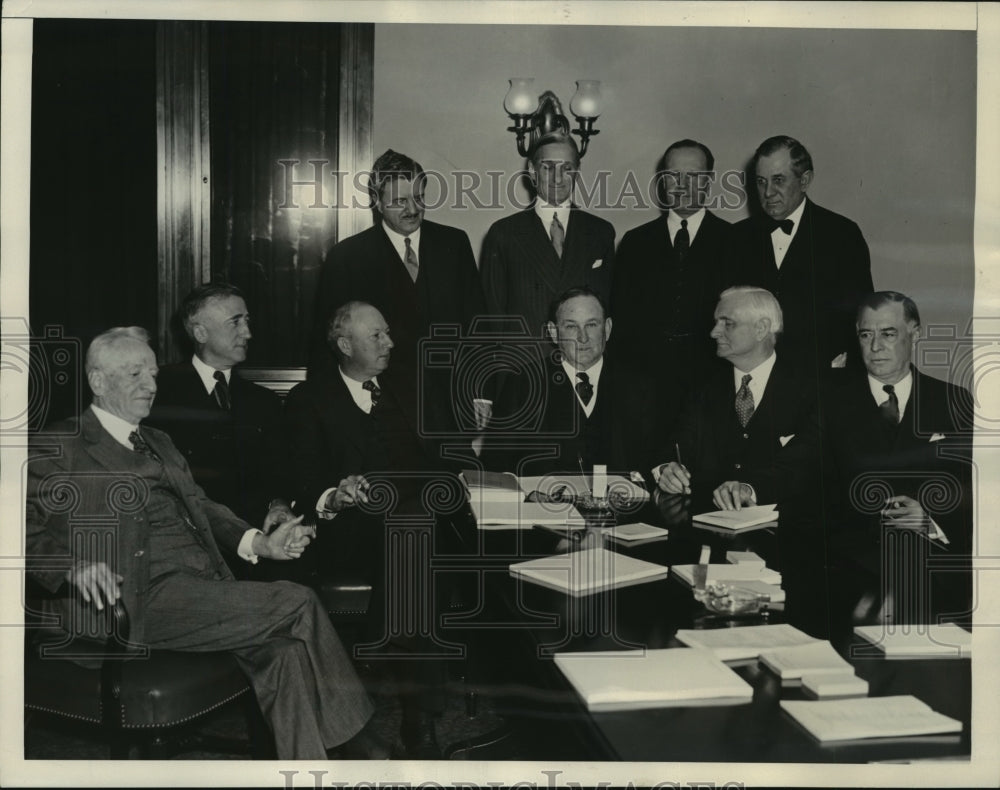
(755, 517)
(748, 642)
(815, 658)
(635, 533)
(588, 571)
(834, 686)
(918, 641)
(730, 574)
(629, 680)
(869, 717)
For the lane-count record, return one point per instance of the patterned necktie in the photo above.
(410, 259)
(221, 391)
(682, 241)
(142, 447)
(374, 390)
(584, 388)
(890, 408)
(744, 401)
(557, 234)
(786, 225)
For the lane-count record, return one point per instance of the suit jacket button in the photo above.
(139, 553)
(738, 466)
(746, 436)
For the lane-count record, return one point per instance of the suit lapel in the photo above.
(538, 253)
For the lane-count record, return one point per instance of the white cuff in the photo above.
(936, 533)
(245, 549)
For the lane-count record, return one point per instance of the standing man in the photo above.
(814, 261)
(166, 561)
(228, 428)
(669, 274)
(419, 275)
(895, 446)
(531, 257)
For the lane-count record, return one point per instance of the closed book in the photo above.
(736, 520)
(629, 680)
(588, 571)
(815, 658)
(868, 717)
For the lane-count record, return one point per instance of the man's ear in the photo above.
(344, 344)
(550, 328)
(762, 328)
(199, 333)
(97, 382)
(607, 328)
(806, 179)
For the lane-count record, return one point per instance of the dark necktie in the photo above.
(410, 259)
(682, 241)
(584, 388)
(142, 447)
(786, 225)
(890, 408)
(221, 391)
(374, 390)
(744, 401)
(557, 233)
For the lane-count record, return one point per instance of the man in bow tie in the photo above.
(814, 261)
(165, 560)
(895, 446)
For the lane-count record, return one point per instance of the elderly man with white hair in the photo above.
(742, 413)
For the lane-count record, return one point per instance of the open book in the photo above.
(629, 680)
(588, 571)
(748, 642)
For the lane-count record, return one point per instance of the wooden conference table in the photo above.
(520, 625)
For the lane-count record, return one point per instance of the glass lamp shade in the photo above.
(520, 99)
(586, 102)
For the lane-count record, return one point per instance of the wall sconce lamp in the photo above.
(523, 107)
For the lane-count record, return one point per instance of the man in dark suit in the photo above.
(896, 451)
(419, 275)
(165, 558)
(814, 261)
(531, 257)
(739, 415)
(669, 274)
(354, 442)
(227, 427)
(580, 407)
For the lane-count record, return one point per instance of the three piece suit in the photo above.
(90, 499)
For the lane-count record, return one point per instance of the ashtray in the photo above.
(731, 600)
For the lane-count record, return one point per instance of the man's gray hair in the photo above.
(339, 324)
(101, 347)
(760, 302)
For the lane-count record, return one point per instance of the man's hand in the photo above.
(352, 489)
(278, 514)
(674, 478)
(96, 582)
(286, 542)
(733, 495)
(903, 512)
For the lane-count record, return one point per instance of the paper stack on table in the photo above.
(748, 642)
(869, 717)
(918, 641)
(588, 571)
(629, 680)
(791, 664)
(754, 517)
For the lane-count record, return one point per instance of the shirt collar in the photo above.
(759, 375)
(796, 218)
(361, 396)
(399, 241)
(593, 372)
(694, 222)
(207, 373)
(902, 388)
(116, 426)
(544, 211)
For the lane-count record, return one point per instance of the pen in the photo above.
(579, 462)
(677, 449)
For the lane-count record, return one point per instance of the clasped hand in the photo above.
(351, 490)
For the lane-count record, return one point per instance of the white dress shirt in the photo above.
(399, 242)
(545, 212)
(674, 224)
(780, 240)
(594, 374)
(759, 378)
(207, 373)
(902, 388)
(120, 430)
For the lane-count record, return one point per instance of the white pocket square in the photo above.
(597, 264)
(936, 437)
(786, 439)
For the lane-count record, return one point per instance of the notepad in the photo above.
(913, 641)
(522, 515)
(729, 574)
(748, 642)
(868, 717)
(631, 680)
(736, 520)
(834, 686)
(629, 533)
(815, 658)
(588, 571)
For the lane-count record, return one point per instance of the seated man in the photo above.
(350, 429)
(743, 412)
(167, 563)
(895, 447)
(580, 408)
(226, 427)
